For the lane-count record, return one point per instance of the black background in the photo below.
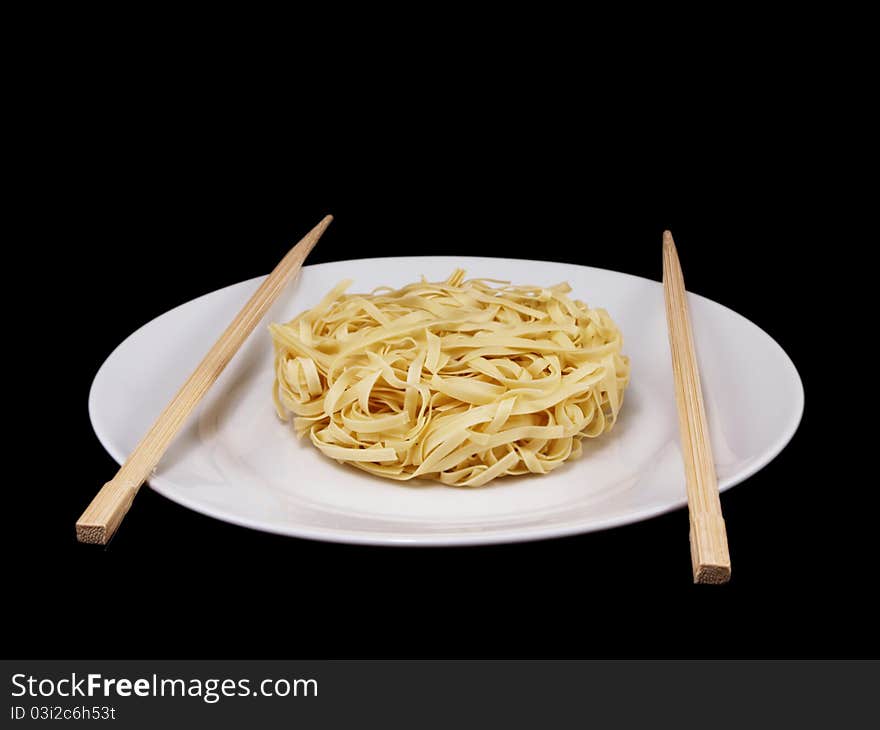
(165, 185)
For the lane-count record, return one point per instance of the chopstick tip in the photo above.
(667, 239)
(312, 238)
(324, 222)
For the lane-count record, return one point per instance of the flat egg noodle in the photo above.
(460, 381)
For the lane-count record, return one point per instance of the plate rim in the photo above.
(496, 536)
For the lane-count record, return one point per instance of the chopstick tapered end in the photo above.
(319, 229)
(304, 247)
(668, 242)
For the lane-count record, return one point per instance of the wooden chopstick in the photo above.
(102, 517)
(709, 552)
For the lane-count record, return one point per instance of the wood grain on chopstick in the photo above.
(103, 516)
(709, 551)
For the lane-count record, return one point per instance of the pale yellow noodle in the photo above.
(460, 381)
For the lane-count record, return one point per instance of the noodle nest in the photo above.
(460, 381)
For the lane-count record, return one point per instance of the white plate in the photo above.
(236, 461)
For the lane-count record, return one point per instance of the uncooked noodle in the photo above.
(460, 381)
